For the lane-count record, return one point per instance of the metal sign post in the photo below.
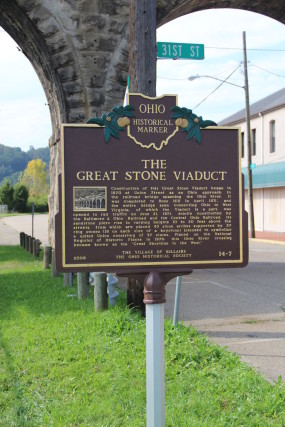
(177, 300)
(154, 298)
(33, 210)
(155, 381)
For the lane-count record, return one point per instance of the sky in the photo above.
(24, 113)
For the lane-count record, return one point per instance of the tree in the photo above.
(35, 178)
(6, 195)
(13, 159)
(21, 194)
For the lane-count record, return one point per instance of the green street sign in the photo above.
(180, 50)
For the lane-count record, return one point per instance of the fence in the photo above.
(3, 209)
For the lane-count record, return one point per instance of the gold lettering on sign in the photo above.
(152, 170)
(97, 175)
(200, 175)
(162, 222)
(151, 122)
(154, 164)
(152, 108)
(152, 129)
(145, 175)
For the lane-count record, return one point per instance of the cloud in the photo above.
(24, 117)
(24, 123)
(18, 78)
(223, 28)
(25, 120)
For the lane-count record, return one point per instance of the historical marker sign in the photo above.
(151, 199)
(180, 50)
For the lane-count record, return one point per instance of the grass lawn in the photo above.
(62, 364)
(8, 214)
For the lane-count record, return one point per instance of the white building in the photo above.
(267, 122)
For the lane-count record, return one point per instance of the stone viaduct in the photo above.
(79, 50)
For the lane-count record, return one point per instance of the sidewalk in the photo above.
(8, 235)
(259, 340)
(270, 236)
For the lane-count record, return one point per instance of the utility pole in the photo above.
(248, 131)
(142, 54)
(142, 79)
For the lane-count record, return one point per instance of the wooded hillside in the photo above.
(13, 161)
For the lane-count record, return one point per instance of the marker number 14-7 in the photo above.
(225, 254)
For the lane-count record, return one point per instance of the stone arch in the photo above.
(79, 50)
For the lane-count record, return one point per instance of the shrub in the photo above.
(6, 195)
(40, 204)
(21, 194)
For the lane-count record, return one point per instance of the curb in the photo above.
(272, 242)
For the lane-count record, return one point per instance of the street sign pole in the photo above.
(248, 131)
(177, 300)
(33, 211)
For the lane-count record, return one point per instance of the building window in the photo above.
(272, 136)
(253, 142)
(242, 145)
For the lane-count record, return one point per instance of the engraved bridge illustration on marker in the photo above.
(89, 198)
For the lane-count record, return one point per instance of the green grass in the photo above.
(62, 364)
(8, 214)
(3, 215)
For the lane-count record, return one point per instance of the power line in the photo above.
(169, 78)
(251, 65)
(267, 71)
(225, 71)
(224, 81)
(183, 79)
(238, 48)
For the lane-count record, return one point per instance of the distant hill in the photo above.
(13, 161)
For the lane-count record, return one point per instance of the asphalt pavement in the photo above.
(242, 309)
(11, 226)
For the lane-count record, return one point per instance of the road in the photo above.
(11, 226)
(256, 289)
(242, 309)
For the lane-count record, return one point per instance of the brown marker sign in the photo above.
(152, 199)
